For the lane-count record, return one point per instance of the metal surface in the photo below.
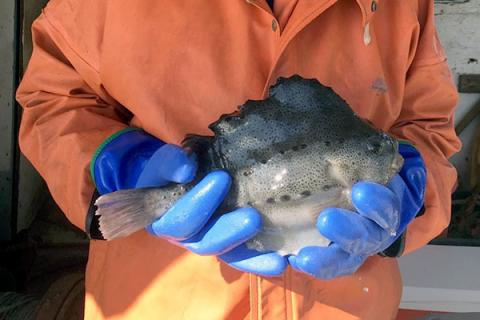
(458, 26)
(31, 187)
(7, 119)
(468, 118)
(451, 316)
(64, 300)
(441, 278)
(451, 1)
(446, 278)
(31, 10)
(469, 83)
(17, 306)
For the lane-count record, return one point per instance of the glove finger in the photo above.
(325, 262)
(413, 172)
(193, 210)
(268, 264)
(350, 231)
(410, 205)
(415, 178)
(225, 232)
(170, 163)
(410, 186)
(377, 203)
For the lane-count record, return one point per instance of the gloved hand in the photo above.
(382, 216)
(134, 159)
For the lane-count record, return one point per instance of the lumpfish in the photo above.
(290, 156)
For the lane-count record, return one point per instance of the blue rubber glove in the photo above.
(382, 216)
(134, 159)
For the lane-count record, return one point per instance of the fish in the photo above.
(291, 155)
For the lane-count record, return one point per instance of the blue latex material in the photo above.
(193, 210)
(135, 159)
(233, 228)
(266, 264)
(127, 153)
(382, 215)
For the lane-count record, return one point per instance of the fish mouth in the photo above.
(397, 162)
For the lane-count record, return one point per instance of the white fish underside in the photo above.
(287, 229)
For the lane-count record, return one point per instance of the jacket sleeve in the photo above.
(426, 120)
(66, 115)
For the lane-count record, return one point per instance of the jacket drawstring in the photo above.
(367, 38)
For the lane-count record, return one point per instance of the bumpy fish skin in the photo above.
(290, 156)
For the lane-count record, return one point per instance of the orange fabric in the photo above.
(172, 67)
(282, 10)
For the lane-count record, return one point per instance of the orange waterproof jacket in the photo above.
(173, 67)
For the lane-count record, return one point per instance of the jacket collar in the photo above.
(368, 8)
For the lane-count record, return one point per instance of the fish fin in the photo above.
(197, 143)
(124, 212)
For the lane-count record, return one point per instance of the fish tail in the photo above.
(124, 212)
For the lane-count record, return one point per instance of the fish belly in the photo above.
(289, 228)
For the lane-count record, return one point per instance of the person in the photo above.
(113, 87)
